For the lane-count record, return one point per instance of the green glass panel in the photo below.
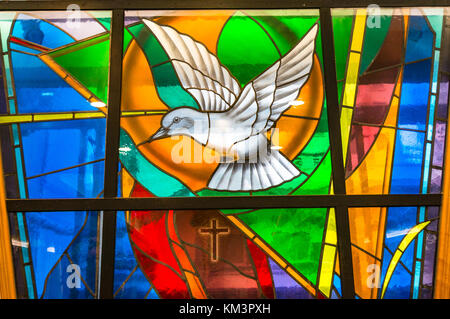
(127, 37)
(152, 49)
(285, 188)
(286, 31)
(296, 234)
(84, 59)
(106, 22)
(146, 173)
(340, 87)
(373, 40)
(342, 29)
(317, 147)
(319, 182)
(211, 192)
(245, 48)
(169, 87)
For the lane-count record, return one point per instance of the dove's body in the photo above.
(234, 121)
(230, 140)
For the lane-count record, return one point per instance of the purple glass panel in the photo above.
(426, 293)
(436, 179)
(443, 96)
(433, 212)
(439, 143)
(430, 252)
(285, 286)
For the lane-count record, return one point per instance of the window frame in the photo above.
(110, 203)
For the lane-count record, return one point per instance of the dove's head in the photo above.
(182, 121)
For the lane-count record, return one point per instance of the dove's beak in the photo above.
(161, 133)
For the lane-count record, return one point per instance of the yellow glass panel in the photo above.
(84, 115)
(351, 79)
(373, 174)
(346, 120)
(331, 237)
(413, 232)
(6, 119)
(358, 30)
(326, 272)
(50, 117)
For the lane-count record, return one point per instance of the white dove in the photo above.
(234, 122)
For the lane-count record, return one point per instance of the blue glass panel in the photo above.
(400, 284)
(136, 287)
(420, 39)
(80, 182)
(124, 258)
(50, 146)
(83, 251)
(337, 283)
(152, 295)
(15, 46)
(414, 99)
(40, 32)
(57, 287)
(399, 221)
(50, 233)
(407, 167)
(285, 286)
(39, 89)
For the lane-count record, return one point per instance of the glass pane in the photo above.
(55, 254)
(270, 253)
(224, 103)
(392, 69)
(394, 251)
(53, 102)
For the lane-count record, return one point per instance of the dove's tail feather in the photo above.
(267, 172)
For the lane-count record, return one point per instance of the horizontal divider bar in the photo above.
(211, 4)
(232, 202)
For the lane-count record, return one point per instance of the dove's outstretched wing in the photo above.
(263, 100)
(199, 71)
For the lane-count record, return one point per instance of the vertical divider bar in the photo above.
(107, 223)
(337, 161)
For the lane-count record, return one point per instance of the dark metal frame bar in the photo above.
(110, 203)
(211, 4)
(337, 162)
(232, 202)
(108, 220)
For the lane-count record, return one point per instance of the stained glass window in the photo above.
(224, 105)
(207, 71)
(52, 125)
(392, 72)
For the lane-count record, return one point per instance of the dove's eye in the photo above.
(176, 119)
